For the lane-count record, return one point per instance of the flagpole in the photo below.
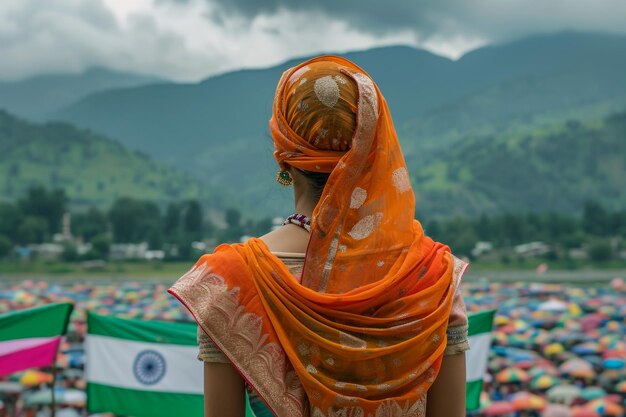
(54, 377)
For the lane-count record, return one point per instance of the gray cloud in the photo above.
(61, 36)
(191, 39)
(490, 19)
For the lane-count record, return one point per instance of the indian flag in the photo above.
(480, 342)
(143, 368)
(30, 338)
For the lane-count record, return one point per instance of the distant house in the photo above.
(134, 251)
(46, 251)
(127, 251)
(532, 249)
(482, 248)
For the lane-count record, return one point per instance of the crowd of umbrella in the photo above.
(557, 350)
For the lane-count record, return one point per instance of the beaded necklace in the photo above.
(299, 220)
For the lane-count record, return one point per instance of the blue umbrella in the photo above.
(613, 363)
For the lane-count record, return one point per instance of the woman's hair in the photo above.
(317, 181)
(321, 108)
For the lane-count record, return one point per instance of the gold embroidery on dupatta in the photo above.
(239, 334)
(389, 408)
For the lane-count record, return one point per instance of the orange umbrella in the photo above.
(604, 407)
(512, 375)
(528, 401)
(584, 412)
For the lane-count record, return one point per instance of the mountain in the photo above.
(92, 169)
(217, 129)
(36, 97)
(554, 170)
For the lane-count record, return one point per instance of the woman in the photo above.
(354, 312)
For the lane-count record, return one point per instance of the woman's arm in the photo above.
(446, 397)
(224, 391)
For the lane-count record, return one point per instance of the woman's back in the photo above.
(362, 328)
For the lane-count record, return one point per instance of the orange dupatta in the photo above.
(365, 331)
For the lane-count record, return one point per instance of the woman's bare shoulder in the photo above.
(289, 238)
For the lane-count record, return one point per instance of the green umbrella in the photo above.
(591, 393)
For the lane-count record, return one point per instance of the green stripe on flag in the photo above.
(44, 321)
(123, 401)
(173, 333)
(474, 388)
(481, 322)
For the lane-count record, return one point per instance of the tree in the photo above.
(595, 219)
(5, 246)
(100, 247)
(10, 219)
(171, 221)
(192, 220)
(600, 250)
(49, 206)
(70, 253)
(32, 230)
(233, 231)
(89, 224)
(134, 220)
(233, 218)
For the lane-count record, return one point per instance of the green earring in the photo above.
(284, 178)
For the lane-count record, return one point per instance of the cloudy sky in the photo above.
(188, 40)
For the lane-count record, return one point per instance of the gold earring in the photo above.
(284, 178)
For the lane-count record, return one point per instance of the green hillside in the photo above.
(92, 169)
(218, 128)
(557, 170)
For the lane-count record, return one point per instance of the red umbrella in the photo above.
(584, 412)
(556, 410)
(499, 408)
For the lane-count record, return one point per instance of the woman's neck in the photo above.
(304, 202)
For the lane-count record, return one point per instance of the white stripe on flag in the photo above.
(112, 361)
(477, 356)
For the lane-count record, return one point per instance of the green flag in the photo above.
(143, 368)
(480, 325)
(30, 338)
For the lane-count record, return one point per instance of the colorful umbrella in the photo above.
(591, 393)
(34, 378)
(556, 410)
(512, 375)
(553, 349)
(564, 394)
(584, 412)
(527, 401)
(575, 365)
(613, 363)
(499, 408)
(605, 407)
(544, 382)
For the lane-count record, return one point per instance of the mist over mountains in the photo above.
(513, 100)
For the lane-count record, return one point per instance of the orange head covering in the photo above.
(365, 331)
(364, 220)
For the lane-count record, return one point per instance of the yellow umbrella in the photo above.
(553, 349)
(34, 378)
